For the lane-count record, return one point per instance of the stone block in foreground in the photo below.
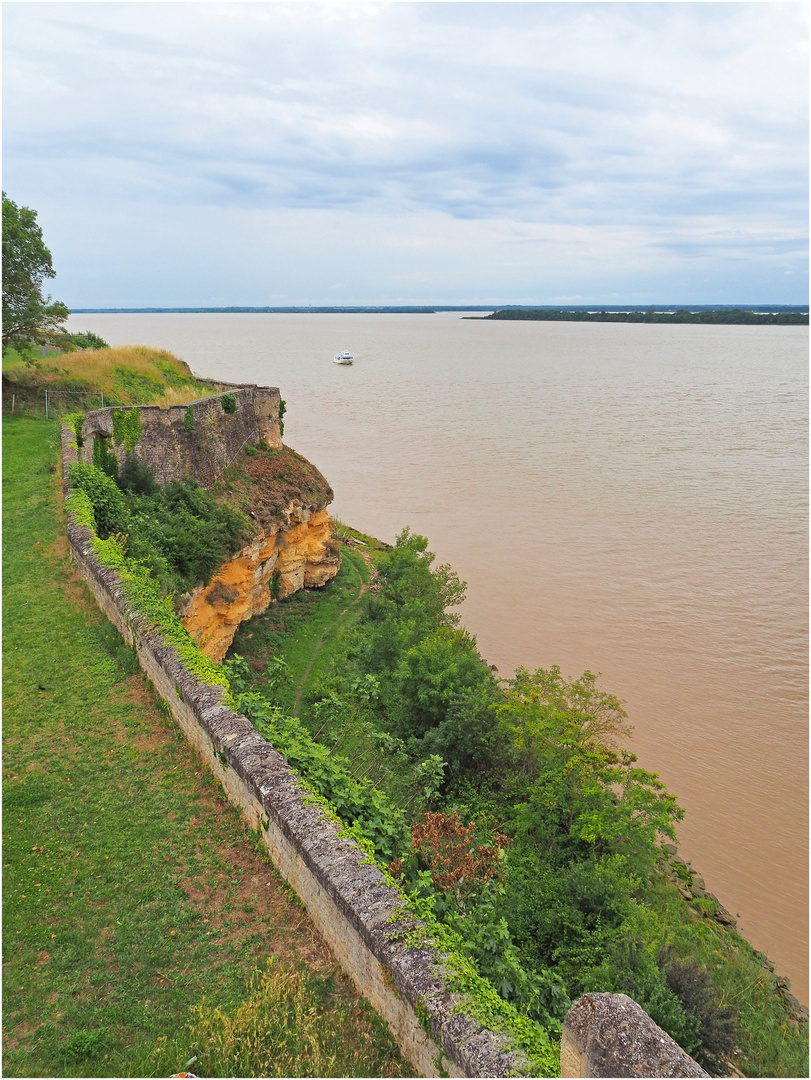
(610, 1035)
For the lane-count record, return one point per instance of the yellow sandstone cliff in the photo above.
(293, 548)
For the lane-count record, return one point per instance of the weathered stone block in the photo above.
(610, 1035)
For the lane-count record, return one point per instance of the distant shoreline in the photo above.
(707, 317)
(389, 310)
(762, 314)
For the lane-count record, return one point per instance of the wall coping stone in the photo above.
(610, 1035)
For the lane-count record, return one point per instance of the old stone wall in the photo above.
(348, 899)
(201, 447)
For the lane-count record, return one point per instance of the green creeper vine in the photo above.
(480, 999)
(74, 421)
(282, 411)
(103, 458)
(127, 428)
(188, 419)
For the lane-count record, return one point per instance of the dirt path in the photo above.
(320, 643)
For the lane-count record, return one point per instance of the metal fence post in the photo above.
(46, 405)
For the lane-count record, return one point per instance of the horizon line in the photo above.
(318, 309)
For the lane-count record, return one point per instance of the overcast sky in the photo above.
(269, 153)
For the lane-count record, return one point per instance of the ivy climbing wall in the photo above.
(196, 441)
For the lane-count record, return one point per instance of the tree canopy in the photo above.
(27, 314)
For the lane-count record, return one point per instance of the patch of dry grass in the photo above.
(126, 375)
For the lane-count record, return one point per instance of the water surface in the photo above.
(631, 499)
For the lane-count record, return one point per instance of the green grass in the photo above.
(304, 630)
(132, 890)
(127, 375)
(770, 1042)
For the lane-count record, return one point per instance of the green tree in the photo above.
(27, 314)
(582, 795)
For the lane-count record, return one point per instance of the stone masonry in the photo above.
(203, 453)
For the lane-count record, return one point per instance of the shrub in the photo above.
(85, 1044)
(229, 403)
(86, 339)
(136, 476)
(635, 972)
(109, 509)
(182, 533)
(188, 419)
(573, 917)
(449, 849)
(718, 1025)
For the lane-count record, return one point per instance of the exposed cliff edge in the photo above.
(293, 546)
(231, 444)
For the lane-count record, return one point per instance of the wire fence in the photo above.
(51, 403)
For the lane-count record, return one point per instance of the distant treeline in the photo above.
(725, 315)
(401, 310)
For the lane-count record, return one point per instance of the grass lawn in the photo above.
(303, 630)
(132, 891)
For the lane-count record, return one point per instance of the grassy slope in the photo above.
(303, 630)
(127, 375)
(131, 888)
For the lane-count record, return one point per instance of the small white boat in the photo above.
(342, 358)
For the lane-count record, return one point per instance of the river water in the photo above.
(631, 499)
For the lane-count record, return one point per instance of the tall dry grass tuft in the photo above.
(127, 375)
(97, 365)
(284, 1027)
(180, 396)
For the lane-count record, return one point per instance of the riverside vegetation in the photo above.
(514, 816)
(722, 316)
(506, 811)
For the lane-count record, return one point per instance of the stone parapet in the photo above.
(357, 913)
(610, 1035)
(197, 441)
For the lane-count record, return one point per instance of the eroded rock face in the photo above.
(299, 554)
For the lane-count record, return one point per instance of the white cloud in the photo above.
(651, 121)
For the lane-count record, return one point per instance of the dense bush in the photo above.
(85, 339)
(182, 533)
(109, 509)
(136, 476)
(718, 1024)
(179, 532)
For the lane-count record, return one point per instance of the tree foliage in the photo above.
(27, 315)
(581, 795)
